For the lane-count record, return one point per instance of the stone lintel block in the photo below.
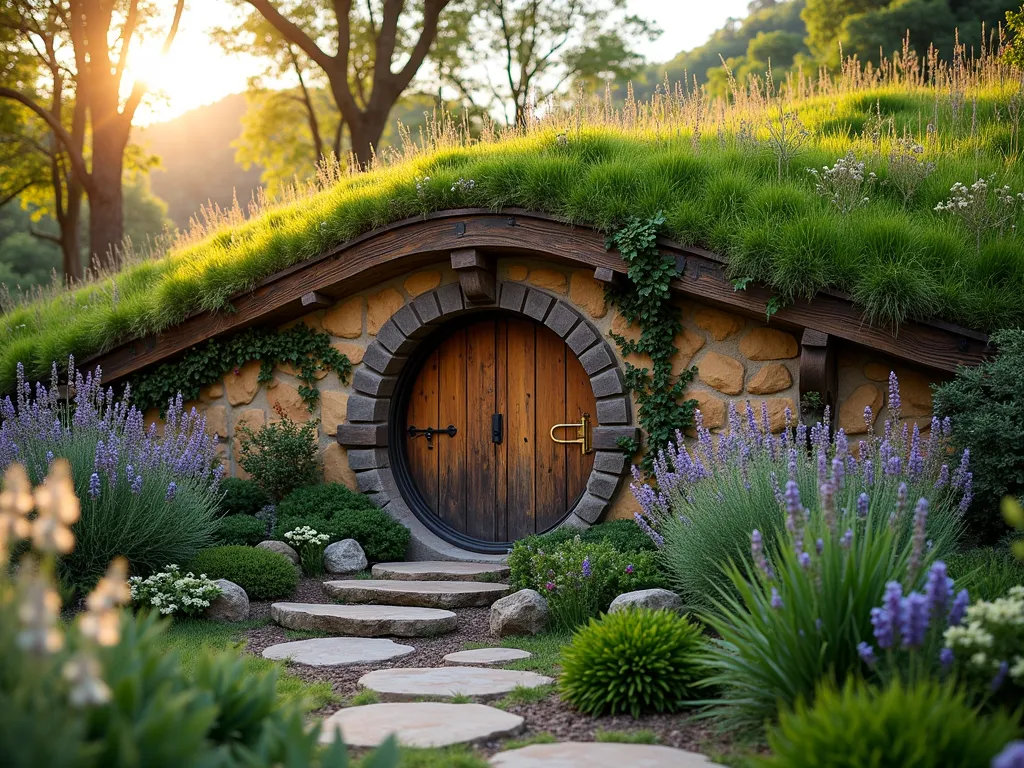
(613, 410)
(561, 319)
(368, 458)
(381, 360)
(603, 485)
(590, 507)
(362, 408)
(512, 296)
(596, 359)
(372, 383)
(582, 338)
(613, 462)
(606, 438)
(537, 305)
(426, 307)
(408, 323)
(451, 299)
(608, 383)
(363, 434)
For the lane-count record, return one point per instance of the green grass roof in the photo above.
(709, 167)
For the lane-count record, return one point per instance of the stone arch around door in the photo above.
(368, 434)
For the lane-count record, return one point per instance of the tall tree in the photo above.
(99, 34)
(369, 54)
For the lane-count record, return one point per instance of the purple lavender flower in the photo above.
(94, 485)
(847, 540)
(893, 466)
(1012, 756)
(136, 485)
(894, 393)
(869, 473)
(776, 601)
(819, 546)
(886, 619)
(866, 653)
(946, 658)
(914, 620)
(656, 537)
(939, 589)
(757, 550)
(172, 489)
(805, 560)
(869, 417)
(1000, 676)
(968, 496)
(943, 479)
(959, 608)
(586, 567)
(792, 464)
(863, 501)
(827, 494)
(918, 542)
(960, 476)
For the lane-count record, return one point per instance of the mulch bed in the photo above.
(550, 715)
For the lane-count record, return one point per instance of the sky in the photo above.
(197, 72)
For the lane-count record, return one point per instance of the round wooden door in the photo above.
(500, 385)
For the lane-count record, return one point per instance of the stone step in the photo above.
(422, 594)
(408, 683)
(420, 724)
(364, 620)
(337, 651)
(589, 754)
(485, 657)
(440, 570)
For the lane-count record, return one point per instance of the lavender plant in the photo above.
(707, 499)
(146, 496)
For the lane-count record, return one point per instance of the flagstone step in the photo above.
(337, 651)
(485, 657)
(420, 724)
(364, 620)
(405, 683)
(440, 570)
(578, 754)
(422, 594)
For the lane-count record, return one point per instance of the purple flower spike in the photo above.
(1012, 756)
(960, 603)
(847, 540)
(943, 479)
(819, 546)
(882, 623)
(172, 489)
(946, 658)
(776, 601)
(866, 653)
(1000, 677)
(939, 589)
(757, 549)
(863, 501)
(94, 485)
(137, 485)
(586, 567)
(894, 392)
(914, 620)
(869, 473)
(805, 560)
(869, 417)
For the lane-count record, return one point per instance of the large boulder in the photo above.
(655, 599)
(522, 613)
(345, 556)
(282, 548)
(232, 604)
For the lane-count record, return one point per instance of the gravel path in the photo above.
(549, 716)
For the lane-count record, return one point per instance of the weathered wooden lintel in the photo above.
(476, 273)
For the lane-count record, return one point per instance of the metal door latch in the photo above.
(582, 433)
(429, 433)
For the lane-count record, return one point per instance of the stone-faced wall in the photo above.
(738, 360)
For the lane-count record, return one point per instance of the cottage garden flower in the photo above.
(310, 545)
(173, 593)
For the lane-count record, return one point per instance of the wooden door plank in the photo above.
(520, 431)
(501, 450)
(451, 451)
(579, 399)
(480, 449)
(421, 413)
(549, 456)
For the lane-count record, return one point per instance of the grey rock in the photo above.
(410, 683)
(576, 754)
(232, 604)
(420, 724)
(522, 613)
(345, 556)
(364, 620)
(282, 548)
(425, 594)
(655, 599)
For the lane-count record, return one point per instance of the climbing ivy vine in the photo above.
(646, 301)
(308, 351)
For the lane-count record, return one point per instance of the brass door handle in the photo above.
(582, 434)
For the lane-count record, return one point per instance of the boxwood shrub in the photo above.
(381, 537)
(327, 500)
(241, 529)
(241, 497)
(264, 575)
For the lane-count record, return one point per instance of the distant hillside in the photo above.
(197, 159)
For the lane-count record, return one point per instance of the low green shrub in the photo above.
(281, 456)
(986, 405)
(241, 529)
(264, 575)
(579, 578)
(326, 500)
(986, 573)
(382, 538)
(241, 497)
(927, 725)
(625, 535)
(634, 661)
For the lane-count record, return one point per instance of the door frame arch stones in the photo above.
(365, 434)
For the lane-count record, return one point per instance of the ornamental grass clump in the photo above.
(705, 501)
(147, 496)
(635, 661)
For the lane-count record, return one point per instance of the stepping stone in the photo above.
(578, 754)
(440, 570)
(364, 620)
(423, 594)
(420, 724)
(403, 684)
(485, 656)
(337, 651)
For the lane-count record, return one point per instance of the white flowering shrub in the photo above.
(845, 184)
(310, 545)
(983, 207)
(173, 593)
(988, 647)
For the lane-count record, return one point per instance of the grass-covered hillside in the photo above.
(731, 177)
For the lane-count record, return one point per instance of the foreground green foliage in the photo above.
(382, 538)
(264, 575)
(633, 661)
(986, 573)
(928, 725)
(986, 404)
(724, 183)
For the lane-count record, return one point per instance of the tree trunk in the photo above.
(365, 130)
(106, 198)
(69, 240)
